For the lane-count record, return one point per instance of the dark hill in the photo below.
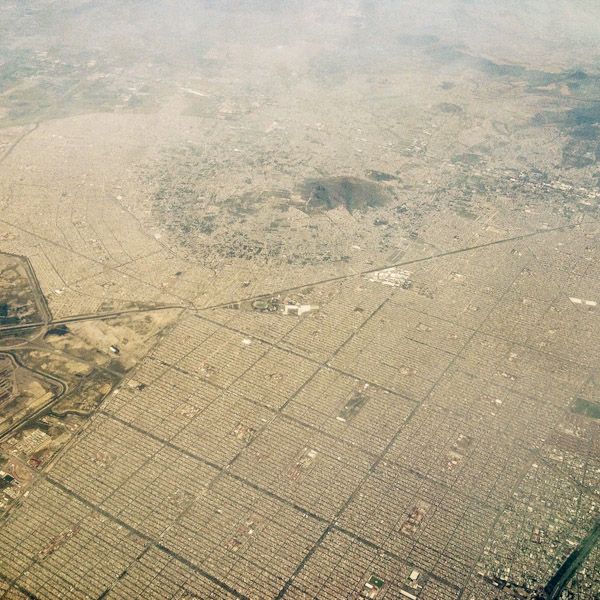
(349, 192)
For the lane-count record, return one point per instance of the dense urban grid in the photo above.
(306, 306)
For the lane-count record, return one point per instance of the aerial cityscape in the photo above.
(300, 300)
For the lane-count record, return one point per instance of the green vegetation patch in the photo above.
(586, 408)
(376, 582)
(353, 406)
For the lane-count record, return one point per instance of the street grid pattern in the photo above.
(197, 482)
